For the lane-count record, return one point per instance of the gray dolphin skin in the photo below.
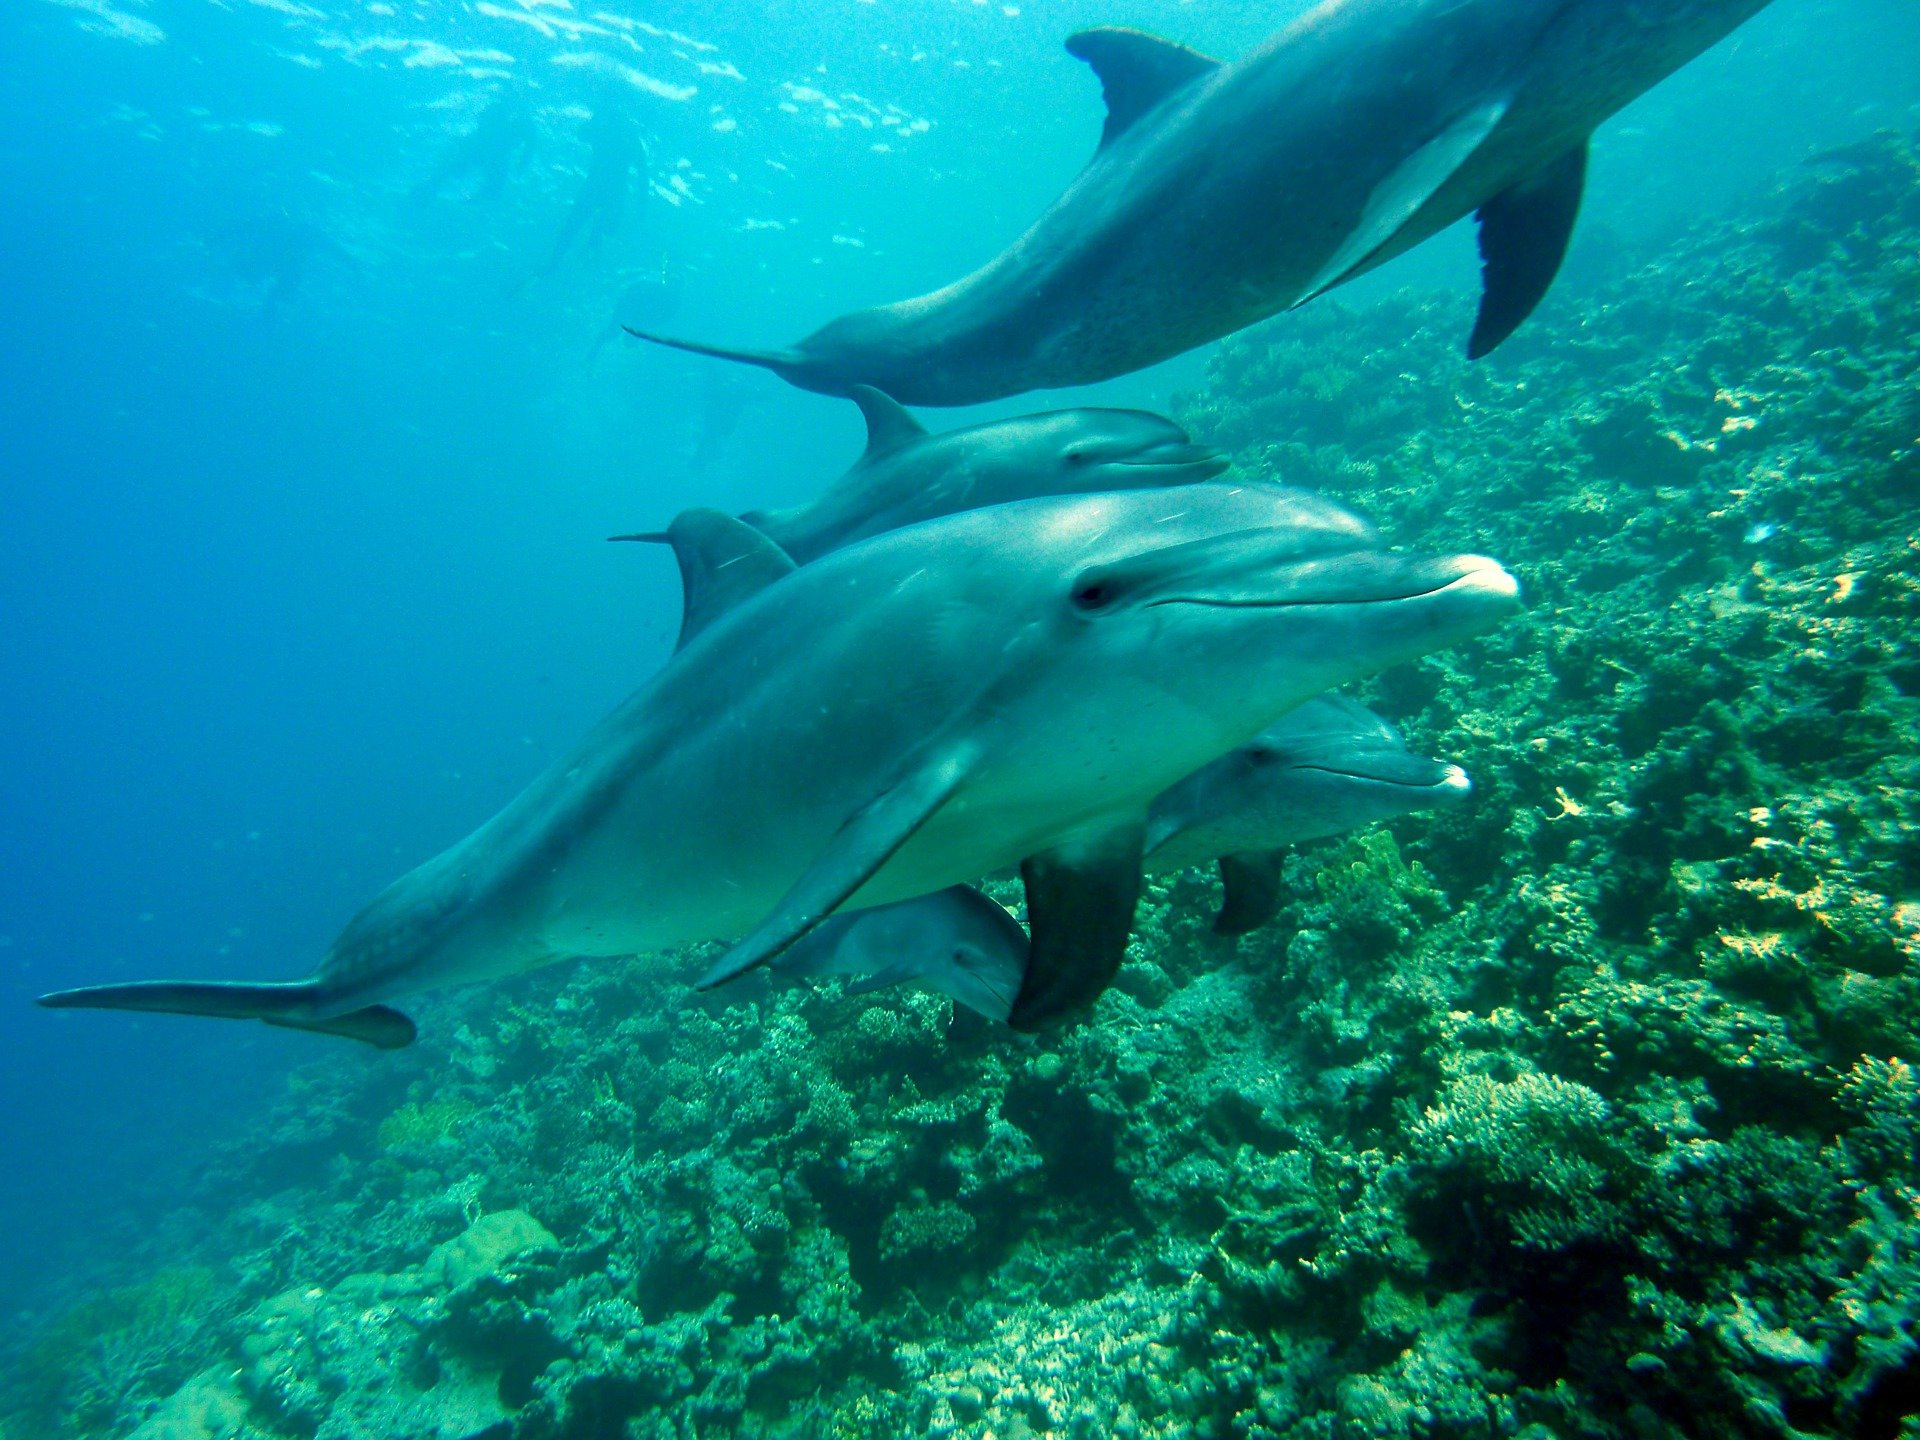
(1008, 686)
(907, 475)
(955, 942)
(1224, 193)
(1330, 766)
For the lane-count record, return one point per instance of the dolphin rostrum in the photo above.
(1328, 767)
(1223, 193)
(1008, 686)
(907, 475)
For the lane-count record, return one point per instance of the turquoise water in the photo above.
(309, 442)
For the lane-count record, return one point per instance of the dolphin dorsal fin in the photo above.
(889, 426)
(1137, 71)
(722, 562)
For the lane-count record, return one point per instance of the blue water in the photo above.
(303, 476)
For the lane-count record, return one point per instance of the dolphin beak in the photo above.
(1481, 575)
(1399, 770)
(1243, 572)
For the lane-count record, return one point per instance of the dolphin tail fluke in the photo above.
(276, 1004)
(783, 363)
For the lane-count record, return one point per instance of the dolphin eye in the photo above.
(1093, 593)
(1079, 457)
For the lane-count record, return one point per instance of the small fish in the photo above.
(1760, 533)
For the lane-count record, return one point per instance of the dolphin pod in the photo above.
(1329, 766)
(1223, 193)
(1005, 686)
(907, 475)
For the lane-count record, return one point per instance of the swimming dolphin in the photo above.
(1223, 193)
(1330, 766)
(955, 941)
(721, 563)
(1005, 686)
(907, 475)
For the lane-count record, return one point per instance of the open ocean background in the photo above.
(303, 475)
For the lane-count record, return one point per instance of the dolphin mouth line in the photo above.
(1373, 779)
(1497, 582)
(1213, 462)
(1288, 604)
(1446, 782)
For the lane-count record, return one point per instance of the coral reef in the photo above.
(1587, 1110)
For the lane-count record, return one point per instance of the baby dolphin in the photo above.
(908, 475)
(1008, 686)
(1330, 766)
(1223, 193)
(955, 941)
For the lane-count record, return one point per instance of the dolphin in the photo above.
(1223, 193)
(955, 941)
(907, 475)
(1007, 686)
(719, 562)
(1328, 767)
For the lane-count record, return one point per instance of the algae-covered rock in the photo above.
(418, 1353)
(488, 1247)
(208, 1407)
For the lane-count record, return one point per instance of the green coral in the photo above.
(1375, 899)
(92, 1368)
(1533, 1158)
(925, 1232)
(421, 1129)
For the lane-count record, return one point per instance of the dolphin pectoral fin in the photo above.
(1137, 71)
(1524, 232)
(723, 561)
(883, 979)
(862, 846)
(276, 1004)
(1398, 197)
(1080, 903)
(889, 426)
(1252, 883)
